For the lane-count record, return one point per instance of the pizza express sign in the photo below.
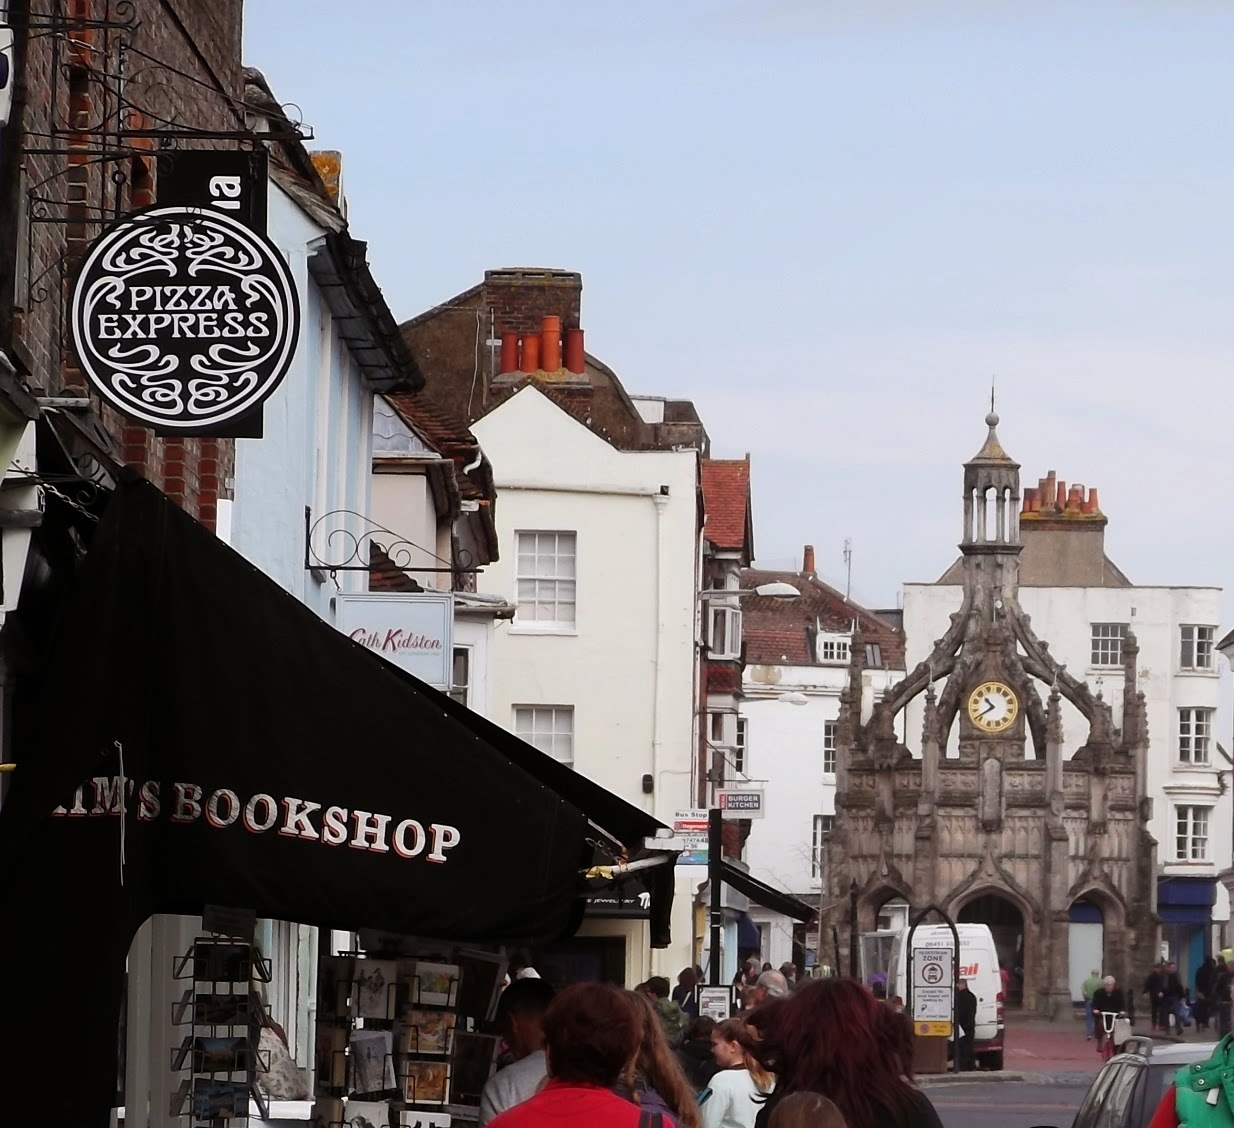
(185, 319)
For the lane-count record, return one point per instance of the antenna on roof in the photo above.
(991, 395)
(848, 566)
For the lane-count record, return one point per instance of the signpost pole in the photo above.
(715, 849)
(955, 975)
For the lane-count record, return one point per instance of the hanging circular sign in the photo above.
(184, 318)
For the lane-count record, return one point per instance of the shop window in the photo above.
(549, 728)
(547, 583)
(1196, 648)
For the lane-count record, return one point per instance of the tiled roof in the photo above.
(726, 498)
(385, 575)
(451, 437)
(778, 632)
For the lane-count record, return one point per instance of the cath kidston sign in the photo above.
(415, 632)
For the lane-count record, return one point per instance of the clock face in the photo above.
(993, 707)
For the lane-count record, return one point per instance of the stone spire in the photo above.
(991, 498)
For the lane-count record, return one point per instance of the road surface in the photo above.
(1010, 1104)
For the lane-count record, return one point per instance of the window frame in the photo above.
(1191, 720)
(1203, 641)
(530, 734)
(731, 617)
(842, 645)
(830, 729)
(460, 693)
(1096, 641)
(1186, 837)
(562, 584)
(821, 827)
(874, 656)
(741, 744)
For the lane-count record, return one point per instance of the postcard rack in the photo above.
(221, 1014)
(399, 1042)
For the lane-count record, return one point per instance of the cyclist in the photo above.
(1108, 999)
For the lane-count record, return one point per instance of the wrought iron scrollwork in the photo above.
(343, 541)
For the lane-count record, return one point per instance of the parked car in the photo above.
(1127, 1091)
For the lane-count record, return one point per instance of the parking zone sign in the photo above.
(933, 991)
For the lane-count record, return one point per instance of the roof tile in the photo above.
(726, 498)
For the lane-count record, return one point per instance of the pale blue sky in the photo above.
(830, 223)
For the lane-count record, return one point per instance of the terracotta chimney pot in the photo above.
(509, 352)
(550, 344)
(1074, 496)
(530, 360)
(1027, 503)
(576, 361)
(1051, 491)
(1093, 505)
(1037, 501)
(807, 560)
(1060, 496)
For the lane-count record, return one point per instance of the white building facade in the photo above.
(1085, 606)
(600, 552)
(797, 664)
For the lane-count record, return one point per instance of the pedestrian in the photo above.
(966, 1022)
(1088, 989)
(740, 1083)
(1205, 980)
(749, 973)
(1175, 994)
(832, 1037)
(1154, 988)
(789, 971)
(671, 1015)
(653, 1078)
(807, 1110)
(591, 1032)
(1223, 978)
(1190, 1100)
(1108, 999)
(685, 994)
(770, 985)
(520, 1015)
(696, 1057)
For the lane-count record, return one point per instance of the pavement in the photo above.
(1033, 1104)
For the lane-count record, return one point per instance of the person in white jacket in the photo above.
(520, 1013)
(738, 1090)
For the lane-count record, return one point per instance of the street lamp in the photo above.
(777, 589)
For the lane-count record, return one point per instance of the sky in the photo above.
(832, 224)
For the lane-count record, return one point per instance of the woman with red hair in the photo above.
(833, 1037)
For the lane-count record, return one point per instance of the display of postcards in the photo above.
(427, 1031)
(432, 984)
(482, 974)
(331, 1057)
(221, 1055)
(473, 1059)
(366, 1114)
(336, 976)
(222, 1010)
(372, 1061)
(426, 1082)
(221, 962)
(375, 990)
(220, 1100)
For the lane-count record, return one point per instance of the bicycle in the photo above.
(1106, 1044)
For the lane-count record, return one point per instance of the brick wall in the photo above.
(183, 72)
(520, 298)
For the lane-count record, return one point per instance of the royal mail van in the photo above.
(978, 965)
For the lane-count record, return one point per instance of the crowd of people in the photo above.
(822, 1054)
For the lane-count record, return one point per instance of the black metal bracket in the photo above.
(343, 541)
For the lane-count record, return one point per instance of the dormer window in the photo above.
(832, 649)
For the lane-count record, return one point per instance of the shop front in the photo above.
(1185, 906)
(198, 741)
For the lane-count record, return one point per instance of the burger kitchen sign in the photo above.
(185, 318)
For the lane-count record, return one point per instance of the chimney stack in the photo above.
(576, 361)
(530, 360)
(807, 562)
(550, 344)
(509, 352)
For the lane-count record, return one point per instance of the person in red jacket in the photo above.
(591, 1032)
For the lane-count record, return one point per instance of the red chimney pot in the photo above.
(530, 361)
(509, 352)
(576, 361)
(807, 561)
(550, 344)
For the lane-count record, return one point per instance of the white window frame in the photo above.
(548, 728)
(741, 744)
(830, 728)
(1200, 640)
(833, 649)
(461, 691)
(728, 645)
(874, 656)
(823, 825)
(1192, 828)
(1103, 656)
(1195, 736)
(548, 582)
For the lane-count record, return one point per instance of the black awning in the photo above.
(762, 894)
(205, 738)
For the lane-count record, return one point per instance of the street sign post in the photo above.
(933, 991)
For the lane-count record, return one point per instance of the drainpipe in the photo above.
(661, 503)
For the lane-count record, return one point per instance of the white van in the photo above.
(978, 965)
